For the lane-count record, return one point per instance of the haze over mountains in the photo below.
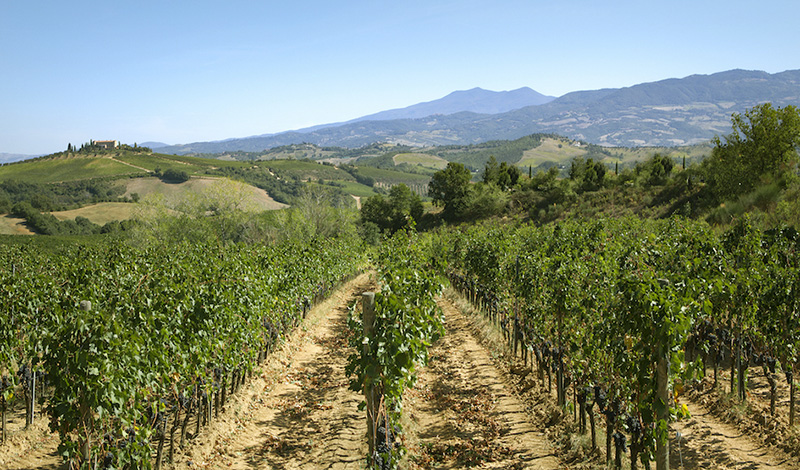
(13, 157)
(668, 112)
(476, 100)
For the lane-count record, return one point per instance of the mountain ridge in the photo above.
(673, 111)
(476, 100)
(14, 157)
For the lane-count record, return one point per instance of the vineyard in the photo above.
(136, 348)
(621, 317)
(620, 326)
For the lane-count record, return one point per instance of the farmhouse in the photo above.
(107, 144)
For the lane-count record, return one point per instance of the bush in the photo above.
(174, 176)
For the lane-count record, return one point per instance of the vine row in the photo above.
(140, 348)
(628, 313)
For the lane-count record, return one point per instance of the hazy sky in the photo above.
(186, 71)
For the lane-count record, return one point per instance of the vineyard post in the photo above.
(368, 311)
(33, 392)
(662, 395)
(3, 387)
(85, 441)
(792, 388)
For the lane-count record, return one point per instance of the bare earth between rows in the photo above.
(298, 412)
(463, 411)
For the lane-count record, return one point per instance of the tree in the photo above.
(450, 188)
(175, 176)
(508, 175)
(491, 171)
(763, 145)
(587, 174)
(503, 176)
(486, 200)
(375, 210)
(659, 167)
(545, 180)
(405, 205)
(401, 210)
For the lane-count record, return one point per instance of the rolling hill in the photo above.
(106, 186)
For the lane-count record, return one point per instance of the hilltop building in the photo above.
(107, 144)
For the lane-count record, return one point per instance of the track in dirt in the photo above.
(706, 442)
(462, 412)
(300, 413)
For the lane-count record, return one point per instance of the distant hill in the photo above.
(67, 166)
(476, 100)
(154, 145)
(668, 112)
(14, 157)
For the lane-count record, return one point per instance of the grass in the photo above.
(307, 170)
(191, 165)
(152, 162)
(204, 162)
(256, 199)
(421, 159)
(97, 166)
(551, 150)
(13, 226)
(358, 189)
(392, 176)
(101, 213)
(65, 169)
(487, 332)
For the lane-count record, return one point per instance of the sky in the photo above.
(188, 71)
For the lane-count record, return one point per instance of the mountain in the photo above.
(14, 157)
(153, 145)
(667, 112)
(476, 100)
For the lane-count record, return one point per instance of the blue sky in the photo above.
(186, 71)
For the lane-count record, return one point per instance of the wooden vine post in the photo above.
(662, 396)
(85, 439)
(368, 319)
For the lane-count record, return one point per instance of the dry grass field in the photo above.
(421, 159)
(101, 213)
(257, 199)
(13, 226)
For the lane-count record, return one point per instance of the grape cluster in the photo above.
(634, 427)
(620, 442)
(26, 375)
(600, 397)
(385, 442)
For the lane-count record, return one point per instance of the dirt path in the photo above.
(130, 165)
(32, 448)
(707, 442)
(462, 412)
(297, 414)
(300, 414)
